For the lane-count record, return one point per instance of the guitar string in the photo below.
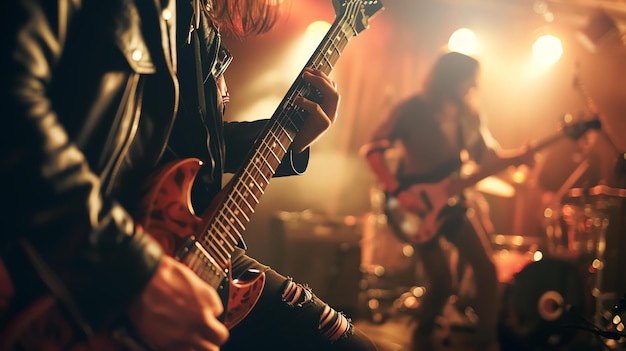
(282, 118)
(276, 128)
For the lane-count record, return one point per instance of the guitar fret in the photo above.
(228, 224)
(224, 228)
(259, 171)
(224, 241)
(234, 219)
(247, 191)
(285, 139)
(215, 251)
(285, 133)
(273, 135)
(335, 48)
(252, 178)
(272, 170)
(217, 238)
(351, 26)
(240, 210)
(278, 159)
(330, 65)
(282, 138)
(228, 239)
(231, 243)
(250, 207)
(343, 41)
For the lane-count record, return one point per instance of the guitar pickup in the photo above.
(199, 260)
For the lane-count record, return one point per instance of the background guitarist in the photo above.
(98, 94)
(438, 131)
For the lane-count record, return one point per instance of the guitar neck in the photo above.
(499, 165)
(243, 193)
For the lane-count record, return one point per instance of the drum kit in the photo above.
(576, 283)
(569, 276)
(589, 227)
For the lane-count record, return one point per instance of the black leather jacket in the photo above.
(90, 98)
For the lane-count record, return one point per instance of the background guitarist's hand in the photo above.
(411, 202)
(526, 155)
(320, 115)
(178, 311)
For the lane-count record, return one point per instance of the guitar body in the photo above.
(205, 244)
(169, 217)
(43, 326)
(418, 227)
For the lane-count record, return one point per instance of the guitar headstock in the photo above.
(576, 129)
(357, 12)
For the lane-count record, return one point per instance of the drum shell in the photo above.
(542, 303)
(588, 228)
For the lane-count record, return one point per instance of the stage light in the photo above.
(463, 40)
(547, 49)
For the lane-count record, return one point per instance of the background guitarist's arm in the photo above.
(386, 153)
(374, 154)
(514, 157)
(488, 151)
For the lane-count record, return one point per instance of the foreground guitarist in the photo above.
(437, 132)
(98, 94)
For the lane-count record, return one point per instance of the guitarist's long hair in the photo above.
(241, 18)
(442, 83)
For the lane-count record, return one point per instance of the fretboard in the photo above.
(245, 189)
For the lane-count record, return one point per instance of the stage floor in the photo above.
(395, 333)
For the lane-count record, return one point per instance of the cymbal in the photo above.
(493, 185)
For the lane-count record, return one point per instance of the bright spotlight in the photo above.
(547, 49)
(463, 40)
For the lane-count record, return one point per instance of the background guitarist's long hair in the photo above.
(442, 83)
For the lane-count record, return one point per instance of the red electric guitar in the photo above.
(418, 228)
(205, 243)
